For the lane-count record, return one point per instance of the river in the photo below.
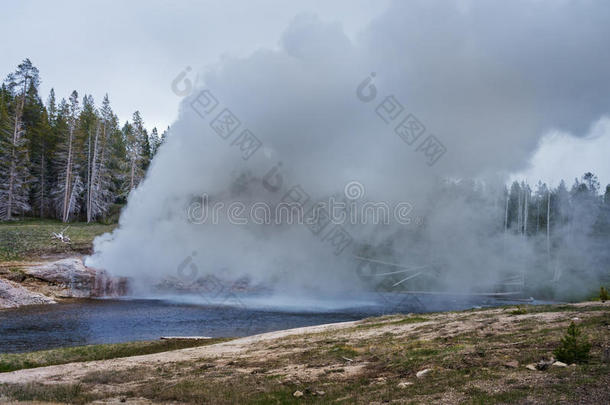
(84, 322)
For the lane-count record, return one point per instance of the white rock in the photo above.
(531, 367)
(559, 364)
(404, 384)
(77, 280)
(12, 295)
(297, 394)
(423, 372)
(71, 274)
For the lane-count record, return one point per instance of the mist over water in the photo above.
(487, 97)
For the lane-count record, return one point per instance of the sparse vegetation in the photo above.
(603, 294)
(63, 393)
(466, 351)
(17, 361)
(574, 347)
(519, 311)
(31, 238)
(403, 321)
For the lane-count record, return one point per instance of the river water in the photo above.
(85, 322)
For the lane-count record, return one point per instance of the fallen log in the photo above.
(185, 337)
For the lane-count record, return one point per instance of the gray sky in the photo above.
(133, 49)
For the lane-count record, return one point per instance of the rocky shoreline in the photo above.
(36, 283)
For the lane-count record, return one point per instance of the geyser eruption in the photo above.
(302, 122)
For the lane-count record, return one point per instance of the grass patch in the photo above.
(403, 321)
(480, 397)
(519, 311)
(343, 351)
(115, 376)
(536, 309)
(63, 393)
(32, 237)
(18, 361)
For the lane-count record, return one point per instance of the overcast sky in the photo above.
(133, 49)
(552, 57)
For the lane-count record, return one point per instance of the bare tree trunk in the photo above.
(537, 215)
(89, 178)
(13, 169)
(525, 212)
(9, 214)
(93, 177)
(506, 214)
(42, 179)
(66, 208)
(519, 213)
(548, 227)
(133, 171)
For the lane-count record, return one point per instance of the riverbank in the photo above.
(41, 263)
(476, 356)
(48, 282)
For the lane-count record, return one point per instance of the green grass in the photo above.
(62, 393)
(480, 397)
(403, 321)
(519, 311)
(535, 309)
(31, 238)
(17, 361)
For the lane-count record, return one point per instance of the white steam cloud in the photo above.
(485, 78)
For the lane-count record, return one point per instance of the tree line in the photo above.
(66, 159)
(533, 211)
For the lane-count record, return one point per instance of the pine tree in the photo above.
(51, 107)
(99, 195)
(514, 207)
(155, 142)
(117, 158)
(136, 142)
(164, 136)
(6, 133)
(14, 173)
(141, 137)
(574, 347)
(42, 172)
(69, 182)
(89, 126)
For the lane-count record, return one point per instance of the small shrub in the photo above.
(519, 311)
(574, 348)
(603, 294)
